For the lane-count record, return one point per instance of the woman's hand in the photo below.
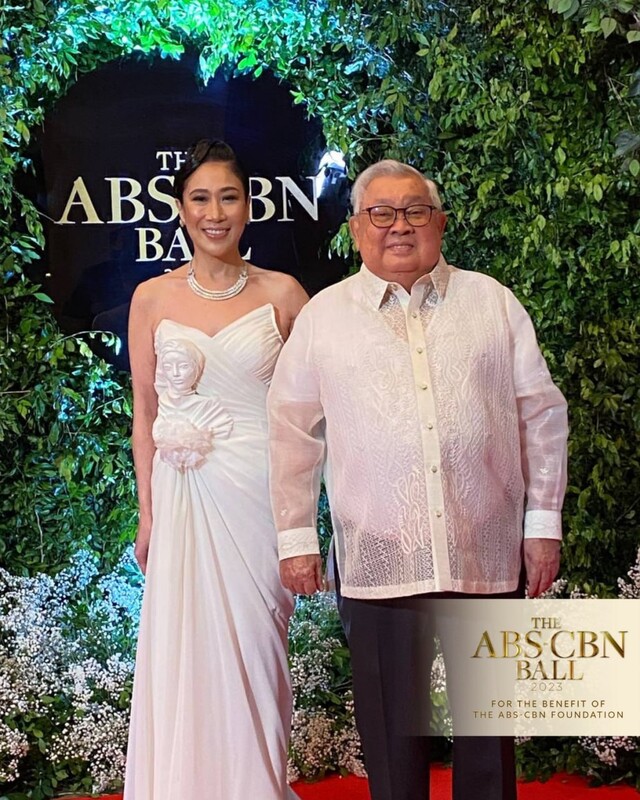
(141, 549)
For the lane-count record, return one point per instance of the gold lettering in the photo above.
(531, 638)
(619, 647)
(485, 641)
(79, 190)
(554, 649)
(588, 639)
(511, 639)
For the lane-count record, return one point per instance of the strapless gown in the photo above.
(212, 700)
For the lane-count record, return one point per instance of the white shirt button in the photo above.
(434, 468)
(393, 287)
(424, 386)
(438, 513)
(429, 426)
(419, 349)
(414, 314)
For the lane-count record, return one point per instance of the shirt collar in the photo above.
(376, 289)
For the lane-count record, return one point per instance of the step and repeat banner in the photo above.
(105, 164)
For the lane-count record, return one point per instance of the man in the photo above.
(420, 390)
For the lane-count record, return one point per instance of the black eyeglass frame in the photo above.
(404, 212)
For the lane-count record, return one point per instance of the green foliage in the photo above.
(603, 16)
(540, 758)
(529, 167)
(622, 18)
(525, 113)
(64, 429)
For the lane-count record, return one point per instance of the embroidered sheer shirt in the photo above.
(435, 421)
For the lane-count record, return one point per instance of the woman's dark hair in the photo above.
(209, 150)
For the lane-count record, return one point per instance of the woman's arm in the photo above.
(145, 407)
(296, 299)
(290, 299)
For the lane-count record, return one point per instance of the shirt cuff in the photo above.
(542, 524)
(298, 542)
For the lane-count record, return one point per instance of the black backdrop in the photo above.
(118, 129)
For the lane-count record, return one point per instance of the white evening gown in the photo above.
(212, 699)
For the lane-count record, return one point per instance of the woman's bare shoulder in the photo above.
(280, 284)
(158, 286)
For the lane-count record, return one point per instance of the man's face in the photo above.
(402, 250)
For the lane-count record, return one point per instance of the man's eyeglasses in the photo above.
(384, 216)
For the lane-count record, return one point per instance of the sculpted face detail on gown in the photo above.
(212, 699)
(181, 363)
(187, 422)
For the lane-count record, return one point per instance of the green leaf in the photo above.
(634, 167)
(248, 61)
(608, 26)
(43, 297)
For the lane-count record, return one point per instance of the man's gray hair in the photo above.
(387, 167)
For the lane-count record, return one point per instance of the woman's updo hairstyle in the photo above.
(209, 150)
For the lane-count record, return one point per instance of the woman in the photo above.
(212, 701)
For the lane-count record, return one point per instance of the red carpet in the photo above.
(560, 787)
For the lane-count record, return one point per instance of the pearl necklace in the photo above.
(212, 294)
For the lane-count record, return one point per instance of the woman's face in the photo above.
(180, 370)
(214, 210)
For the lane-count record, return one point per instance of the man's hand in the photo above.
(541, 562)
(302, 574)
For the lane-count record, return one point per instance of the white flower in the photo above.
(181, 444)
(631, 589)
(47, 662)
(13, 747)
(608, 748)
